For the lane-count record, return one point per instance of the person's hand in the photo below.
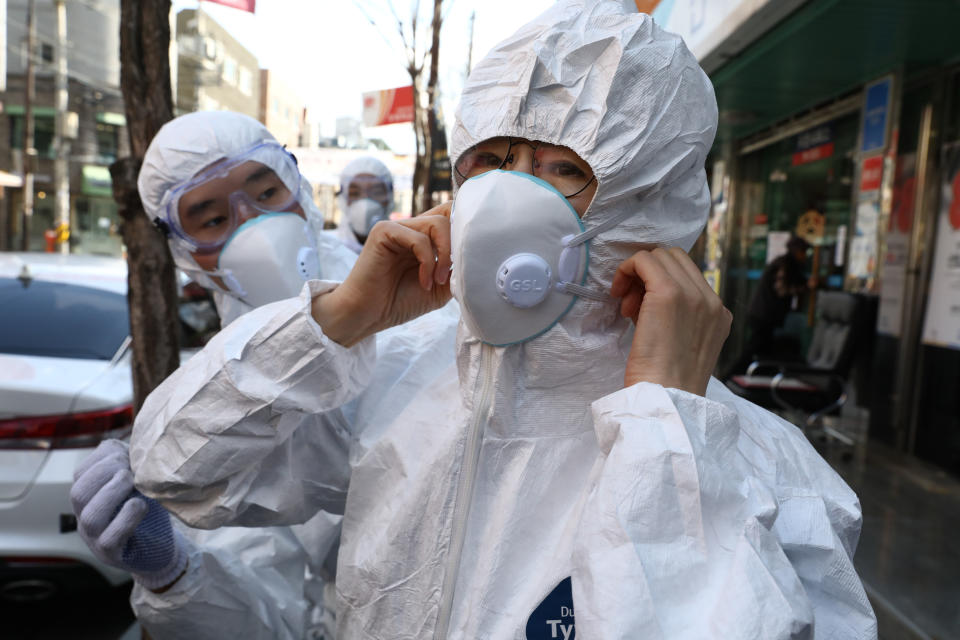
(402, 272)
(123, 528)
(681, 324)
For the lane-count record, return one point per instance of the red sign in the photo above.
(388, 106)
(871, 173)
(904, 191)
(812, 155)
(243, 5)
(955, 204)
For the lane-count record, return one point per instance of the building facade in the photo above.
(847, 113)
(282, 111)
(95, 127)
(214, 71)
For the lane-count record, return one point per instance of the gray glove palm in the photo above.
(122, 527)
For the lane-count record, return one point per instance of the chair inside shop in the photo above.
(816, 386)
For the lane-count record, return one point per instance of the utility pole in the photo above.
(473, 17)
(29, 153)
(61, 175)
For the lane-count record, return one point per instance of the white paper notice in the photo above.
(776, 244)
(941, 326)
(893, 267)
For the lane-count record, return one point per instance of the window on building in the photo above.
(208, 104)
(107, 142)
(246, 81)
(276, 106)
(46, 53)
(43, 129)
(230, 70)
(210, 47)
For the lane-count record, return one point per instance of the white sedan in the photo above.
(65, 385)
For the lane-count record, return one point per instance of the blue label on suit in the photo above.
(553, 618)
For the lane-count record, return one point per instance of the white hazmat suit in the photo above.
(352, 226)
(265, 582)
(525, 491)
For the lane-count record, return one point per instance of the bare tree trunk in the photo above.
(430, 124)
(424, 115)
(152, 294)
(419, 182)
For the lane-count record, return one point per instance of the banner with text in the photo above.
(388, 106)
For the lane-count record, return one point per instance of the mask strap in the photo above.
(593, 232)
(585, 292)
(233, 285)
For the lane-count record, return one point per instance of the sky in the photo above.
(330, 54)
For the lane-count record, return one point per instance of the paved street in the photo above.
(908, 555)
(93, 614)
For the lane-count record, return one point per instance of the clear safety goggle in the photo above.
(367, 186)
(559, 166)
(206, 209)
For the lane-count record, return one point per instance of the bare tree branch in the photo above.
(421, 47)
(407, 49)
(443, 19)
(373, 23)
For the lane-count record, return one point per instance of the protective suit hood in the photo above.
(624, 94)
(188, 144)
(632, 101)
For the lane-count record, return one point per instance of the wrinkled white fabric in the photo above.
(247, 579)
(365, 165)
(270, 445)
(675, 516)
(239, 583)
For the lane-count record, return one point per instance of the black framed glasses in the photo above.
(559, 166)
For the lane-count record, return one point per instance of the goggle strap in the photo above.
(162, 225)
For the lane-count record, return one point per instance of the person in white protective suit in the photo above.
(265, 582)
(577, 470)
(365, 198)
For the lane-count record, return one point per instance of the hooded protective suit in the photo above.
(265, 581)
(497, 502)
(192, 142)
(365, 165)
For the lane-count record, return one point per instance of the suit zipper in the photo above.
(468, 477)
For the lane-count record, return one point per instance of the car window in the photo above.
(61, 320)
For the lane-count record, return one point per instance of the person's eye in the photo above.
(487, 159)
(569, 170)
(214, 222)
(267, 194)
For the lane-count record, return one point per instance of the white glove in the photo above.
(122, 527)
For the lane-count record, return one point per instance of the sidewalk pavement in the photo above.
(909, 554)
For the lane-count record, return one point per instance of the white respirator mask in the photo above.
(363, 214)
(268, 258)
(520, 255)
